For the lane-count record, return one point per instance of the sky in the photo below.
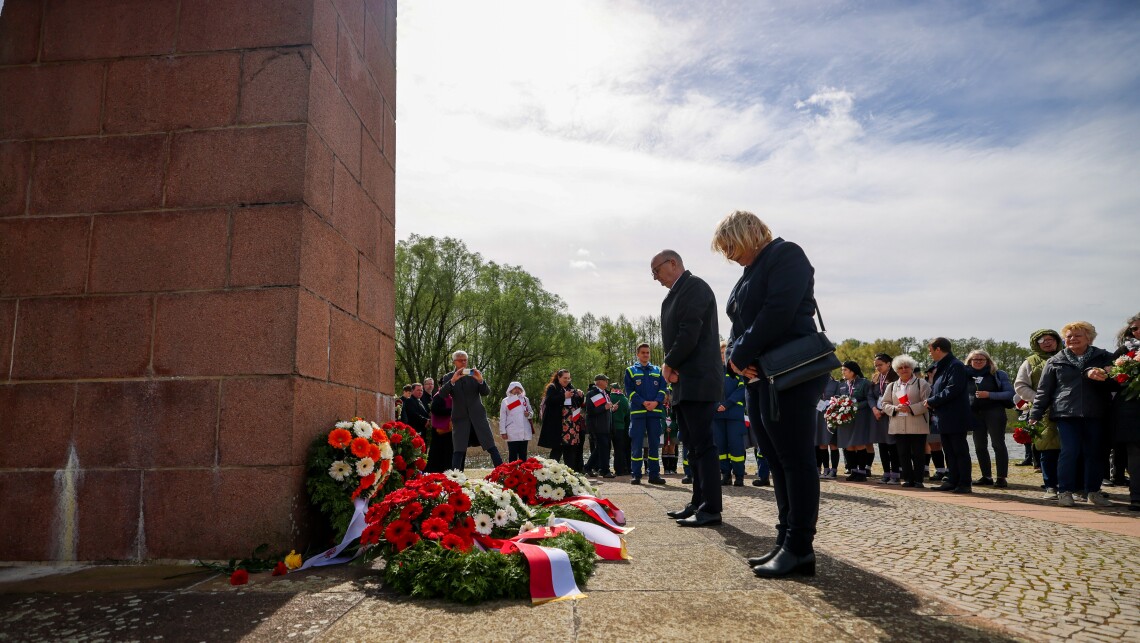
(951, 168)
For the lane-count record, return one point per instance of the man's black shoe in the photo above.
(700, 519)
(681, 513)
(760, 482)
(1024, 463)
(760, 560)
(962, 489)
(657, 481)
(946, 486)
(635, 481)
(686, 480)
(785, 563)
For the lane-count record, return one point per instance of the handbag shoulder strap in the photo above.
(822, 328)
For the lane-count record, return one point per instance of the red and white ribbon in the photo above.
(355, 528)
(600, 509)
(551, 576)
(607, 544)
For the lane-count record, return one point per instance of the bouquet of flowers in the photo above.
(408, 451)
(840, 411)
(541, 481)
(352, 461)
(1126, 371)
(427, 532)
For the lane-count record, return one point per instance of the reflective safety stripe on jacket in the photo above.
(644, 385)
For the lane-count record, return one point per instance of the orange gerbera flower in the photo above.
(360, 447)
(340, 438)
(378, 435)
(374, 452)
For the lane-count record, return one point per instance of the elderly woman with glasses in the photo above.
(902, 402)
(992, 394)
(1075, 386)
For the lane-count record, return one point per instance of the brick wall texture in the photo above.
(196, 256)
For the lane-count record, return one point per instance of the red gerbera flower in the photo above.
(400, 496)
(408, 541)
(434, 528)
(431, 490)
(451, 541)
(239, 577)
(388, 425)
(450, 486)
(371, 534)
(465, 536)
(411, 511)
(397, 531)
(340, 438)
(378, 512)
(420, 463)
(444, 512)
(360, 447)
(459, 502)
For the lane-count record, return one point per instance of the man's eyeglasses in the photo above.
(658, 267)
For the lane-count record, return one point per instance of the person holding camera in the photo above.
(466, 385)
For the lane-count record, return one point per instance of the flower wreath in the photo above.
(354, 460)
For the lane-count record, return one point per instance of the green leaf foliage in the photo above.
(331, 498)
(427, 570)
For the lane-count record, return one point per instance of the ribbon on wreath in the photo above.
(607, 544)
(551, 576)
(355, 527)
(600, 509)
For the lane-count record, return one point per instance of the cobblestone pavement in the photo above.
(892, 565)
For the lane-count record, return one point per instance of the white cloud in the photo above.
(633, 131)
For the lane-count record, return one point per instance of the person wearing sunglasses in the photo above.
(1126, 415)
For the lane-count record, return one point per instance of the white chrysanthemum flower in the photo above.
(580, 491)
(559, 493)
(455, 475)
(542, 475)
(339, 470)
(361, 429)
(483, 524)
(545, 491)
(386, 452)
(526, 526)
(365, 466)
(501, 518)
(344, 425)
(512, 515)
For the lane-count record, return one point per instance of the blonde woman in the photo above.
(772, 304)
(909, 424)
(992, 395)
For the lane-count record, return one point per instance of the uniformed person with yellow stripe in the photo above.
(646, 390)
(729, 431)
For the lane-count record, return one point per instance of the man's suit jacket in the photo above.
(465, 402)
(415, 414)
(692, 341)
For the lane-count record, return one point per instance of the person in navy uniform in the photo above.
(693, 366)
(729, 431)
(646, 398)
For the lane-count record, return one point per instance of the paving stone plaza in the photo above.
(894, 564)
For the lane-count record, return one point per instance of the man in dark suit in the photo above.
(692, 365)
(467, 413)
(949, 404)
(415, 412)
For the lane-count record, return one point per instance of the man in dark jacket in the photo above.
(949, 403)
(692, 364)
(598, 407)
(467, 413)
(415, 413)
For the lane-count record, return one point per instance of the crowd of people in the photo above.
(704, 413)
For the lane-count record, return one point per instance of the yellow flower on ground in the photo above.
(293, 560)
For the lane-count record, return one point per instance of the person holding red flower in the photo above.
(1045, 343)
(1075, 386)
(1126, 412)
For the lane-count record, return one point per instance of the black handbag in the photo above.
(796, 362)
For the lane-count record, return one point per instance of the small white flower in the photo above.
(344, 425)
(580, 491)
(365, 466)
(526, 526)
(375, 427)
(501, 518)
(512, 515)
(362, 429)
(542, 475)
(559, 493)
(483, 524)
(386, 451)
(339, 470)
(455, 475)
(545, 491)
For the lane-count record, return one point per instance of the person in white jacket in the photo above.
(515, 414)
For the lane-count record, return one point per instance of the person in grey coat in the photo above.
(465, 385)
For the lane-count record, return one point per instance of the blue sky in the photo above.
(951, 168)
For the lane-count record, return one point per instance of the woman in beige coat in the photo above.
(902, 401)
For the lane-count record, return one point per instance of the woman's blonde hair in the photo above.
(989, 360)
(1089, 329)
(739, 233)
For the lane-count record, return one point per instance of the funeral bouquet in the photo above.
(1126, 371)
(539, 480)
(840, 412)
(437, 536)
(352, 461)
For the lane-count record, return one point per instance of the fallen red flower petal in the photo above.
(239, 577)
